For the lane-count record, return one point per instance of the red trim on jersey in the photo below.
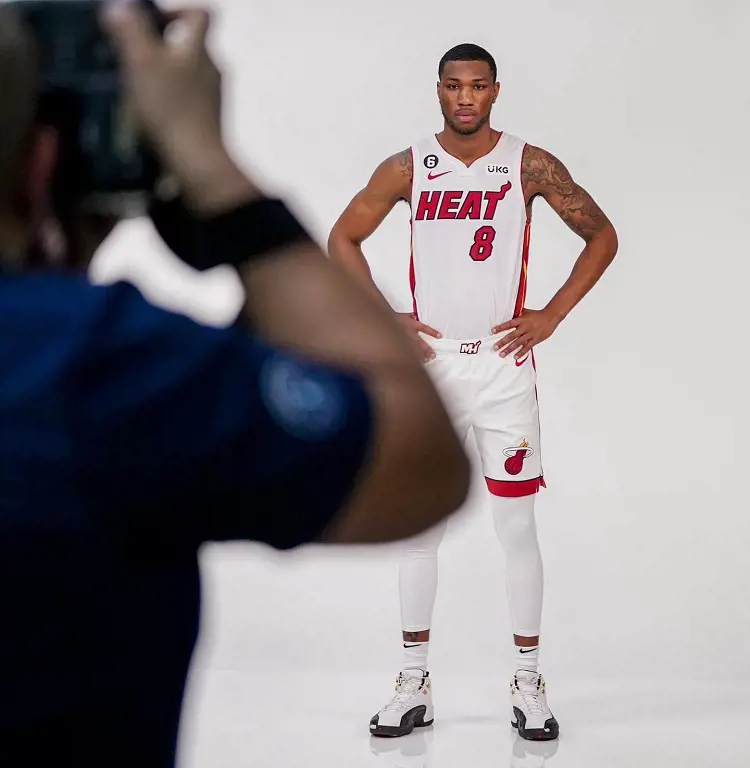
(509, 489)
(437, 138)
(523, 156)
(412, 274)
(521, 296)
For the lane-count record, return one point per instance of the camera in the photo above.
(105, 167)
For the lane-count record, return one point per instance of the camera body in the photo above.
(105, 167)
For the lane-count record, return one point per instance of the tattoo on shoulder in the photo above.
(543, 174)
(406, 164)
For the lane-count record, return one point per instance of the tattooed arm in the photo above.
(390, 183)
(543, 175)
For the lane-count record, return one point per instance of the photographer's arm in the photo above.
(189, 433)
(298, 299)
(417, 471)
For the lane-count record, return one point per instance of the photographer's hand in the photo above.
(175, 90)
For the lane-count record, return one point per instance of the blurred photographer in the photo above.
(129, 436)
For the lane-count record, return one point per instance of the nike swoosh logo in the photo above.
(519, 363)
(413, 645)
(528, 650)
(433, 176)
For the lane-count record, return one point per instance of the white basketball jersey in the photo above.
(470, 238)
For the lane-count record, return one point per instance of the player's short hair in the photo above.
(18, 98)
(468, 52)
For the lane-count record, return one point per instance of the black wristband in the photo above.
(245, 233)
(251, 231)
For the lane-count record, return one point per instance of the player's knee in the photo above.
(515, 523)
(423, 550)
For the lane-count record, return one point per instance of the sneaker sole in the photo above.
(414, 718)
(550, 732)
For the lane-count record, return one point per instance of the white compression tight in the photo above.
(516, 528)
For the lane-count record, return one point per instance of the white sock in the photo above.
(415, 655)
(527, 658)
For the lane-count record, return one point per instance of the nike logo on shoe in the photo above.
(432, 176)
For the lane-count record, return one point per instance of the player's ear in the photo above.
(497, 92)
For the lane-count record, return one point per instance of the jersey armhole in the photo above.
(527, 205)
(413, 176)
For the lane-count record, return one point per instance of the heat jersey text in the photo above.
(448, 204)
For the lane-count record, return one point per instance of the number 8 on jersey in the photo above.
(469, 238)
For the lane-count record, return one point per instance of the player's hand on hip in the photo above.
(523, 333)
(414, 327)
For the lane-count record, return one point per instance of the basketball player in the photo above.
(471, 190)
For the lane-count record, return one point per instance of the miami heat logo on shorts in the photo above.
(470, 347)
(516, 456)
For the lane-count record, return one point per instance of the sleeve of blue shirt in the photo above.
(209, 434)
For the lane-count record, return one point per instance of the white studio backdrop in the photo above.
(643, 389)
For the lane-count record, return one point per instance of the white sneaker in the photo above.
(410, 707)
(531, 714)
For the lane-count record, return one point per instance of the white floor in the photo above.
(314, 720)
(644, 647)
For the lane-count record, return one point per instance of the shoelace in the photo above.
(533, 698)
(405, 689)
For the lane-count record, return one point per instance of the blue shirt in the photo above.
(129, 436)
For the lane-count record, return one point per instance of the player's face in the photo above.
(467, 92)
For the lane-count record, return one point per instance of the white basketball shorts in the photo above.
(497, 397)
